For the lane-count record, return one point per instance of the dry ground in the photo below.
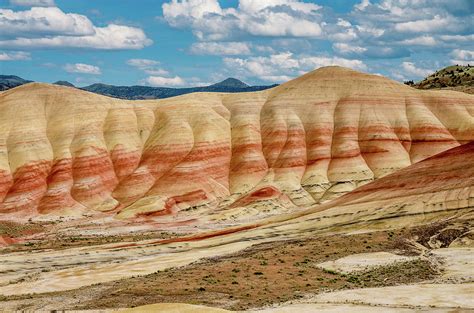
(261, 275)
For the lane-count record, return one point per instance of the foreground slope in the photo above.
(231, 156)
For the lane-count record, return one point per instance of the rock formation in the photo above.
(65, 151)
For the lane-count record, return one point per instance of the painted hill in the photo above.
(434, 189)
(229, 157)
(456, 77)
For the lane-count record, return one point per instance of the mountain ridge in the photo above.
(138, 92)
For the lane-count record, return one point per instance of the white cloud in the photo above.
(420, 41)
(362, 5)
(33, 3)
(252, 6)
(411, 69)
(14, 56)
(159, 81)
(157, 72)
(142, 63)
(82, 68)
(345, 48)
(220, 48)
(148, 66)
(398, 76)
(462, 57)
(457, 38)
(463, 54)
(282, 66)
(209, 21)
(276, 78)
(434, 24)
(44, 21)
(264, 49)
(52, 28)
(343, 23)
(419, 24)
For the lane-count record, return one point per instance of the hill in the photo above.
(11, 81)
(455, 77)
(245, 155)
(230, 83)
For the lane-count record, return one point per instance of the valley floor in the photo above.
(429, 268)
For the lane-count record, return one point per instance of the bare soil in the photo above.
(261, 275)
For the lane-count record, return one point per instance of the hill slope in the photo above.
(11, 81)
(229, 157)
(455, 77)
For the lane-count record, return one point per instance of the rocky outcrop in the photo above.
(66, 151)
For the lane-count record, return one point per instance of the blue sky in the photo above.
(197, 42)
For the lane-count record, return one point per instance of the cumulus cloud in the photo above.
(421, 24)
(49, 27)
(14, 56)
(82, 68)
(462, 54)
(373, 29)
(33, 3)
(142, 63)
(420, 41)
(345, 48)
(411, 69)
(431, 25)
(283, 66)
(374, 52)
(159, 77)
(44, 21)
(159, 81)
(209, 21)
(150, 67)
(458, 38)
(462, 57)
(220, 48)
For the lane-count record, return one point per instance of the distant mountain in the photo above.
(63, 83)
(145, 92)
(11, 81)
(231, 83)
(455, 77)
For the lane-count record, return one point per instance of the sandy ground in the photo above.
(458, 264)
(363, 261)
(420, 295)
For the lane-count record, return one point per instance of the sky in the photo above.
(178, 43)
